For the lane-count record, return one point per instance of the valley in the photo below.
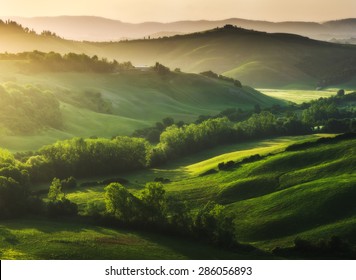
(226, 143)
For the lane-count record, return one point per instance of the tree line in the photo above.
(80, 157)
(153, 209)
(55, 62)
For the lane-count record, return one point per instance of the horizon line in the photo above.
(175, 21)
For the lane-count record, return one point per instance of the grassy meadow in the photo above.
(299, 96)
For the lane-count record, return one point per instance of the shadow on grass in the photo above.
(112, 243)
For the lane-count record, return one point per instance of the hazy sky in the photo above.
(169, 10)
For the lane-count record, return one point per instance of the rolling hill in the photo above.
(106, 104)
(90, 28)
(306, 190)
(255, 58)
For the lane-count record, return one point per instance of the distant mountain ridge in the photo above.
(90, 28)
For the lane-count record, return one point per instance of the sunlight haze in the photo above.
(167, 11)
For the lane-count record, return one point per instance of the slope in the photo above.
(129, 100)
(306, 190)
(256, 58)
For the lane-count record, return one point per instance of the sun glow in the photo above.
(167, 11)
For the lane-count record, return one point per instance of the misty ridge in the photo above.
(91, 28)
(276, 59)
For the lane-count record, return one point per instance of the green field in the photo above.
(299, 96)
(46, 240)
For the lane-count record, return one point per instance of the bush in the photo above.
(226, 166)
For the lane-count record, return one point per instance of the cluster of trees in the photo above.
(11, 26)
(330, 111)
(48, 33)
(176, 141)
(161, 69)
(153, 133)
(52, 61)
(58, 204)
(333, 248)
(25, 109)
(153, 208)
(28, 109)
(16, 199)
(214, 75)
(89, 99)
(88, 157)
(14, 183)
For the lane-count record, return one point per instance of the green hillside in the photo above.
(307, 193)
(256, 58)
(45, 240)
(299, 187)
(108, 104)
(302, 192)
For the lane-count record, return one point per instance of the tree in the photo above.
(237, 83)
(58, 204)
(55, 191)
(120, 202)
(161, 69)
(340, 92)
(168, 121)
(178, 215)
(214, 225)
(154, 201)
